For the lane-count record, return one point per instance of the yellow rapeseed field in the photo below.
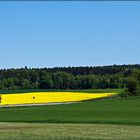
(48, 97)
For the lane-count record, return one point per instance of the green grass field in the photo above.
(105, 111)
(28, 131)
(112, 118)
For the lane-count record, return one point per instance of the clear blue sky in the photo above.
(49, 34)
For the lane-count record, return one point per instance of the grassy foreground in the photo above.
(68, 131)
(105, 111)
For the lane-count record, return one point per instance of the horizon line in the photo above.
(26, 67)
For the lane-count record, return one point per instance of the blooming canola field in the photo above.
(48, 97)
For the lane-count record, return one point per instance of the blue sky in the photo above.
(50, 34)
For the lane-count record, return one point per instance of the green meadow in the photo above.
(108, 118)
(104, 111)
(68, 131)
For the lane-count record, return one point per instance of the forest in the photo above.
(97, 77)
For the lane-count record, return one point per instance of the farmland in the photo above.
(53, 131)
(105, 111)
(112, 118)
(49, 97)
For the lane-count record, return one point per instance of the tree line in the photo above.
(133, 84)
(114, 76)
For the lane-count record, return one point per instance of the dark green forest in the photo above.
(115, 76)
